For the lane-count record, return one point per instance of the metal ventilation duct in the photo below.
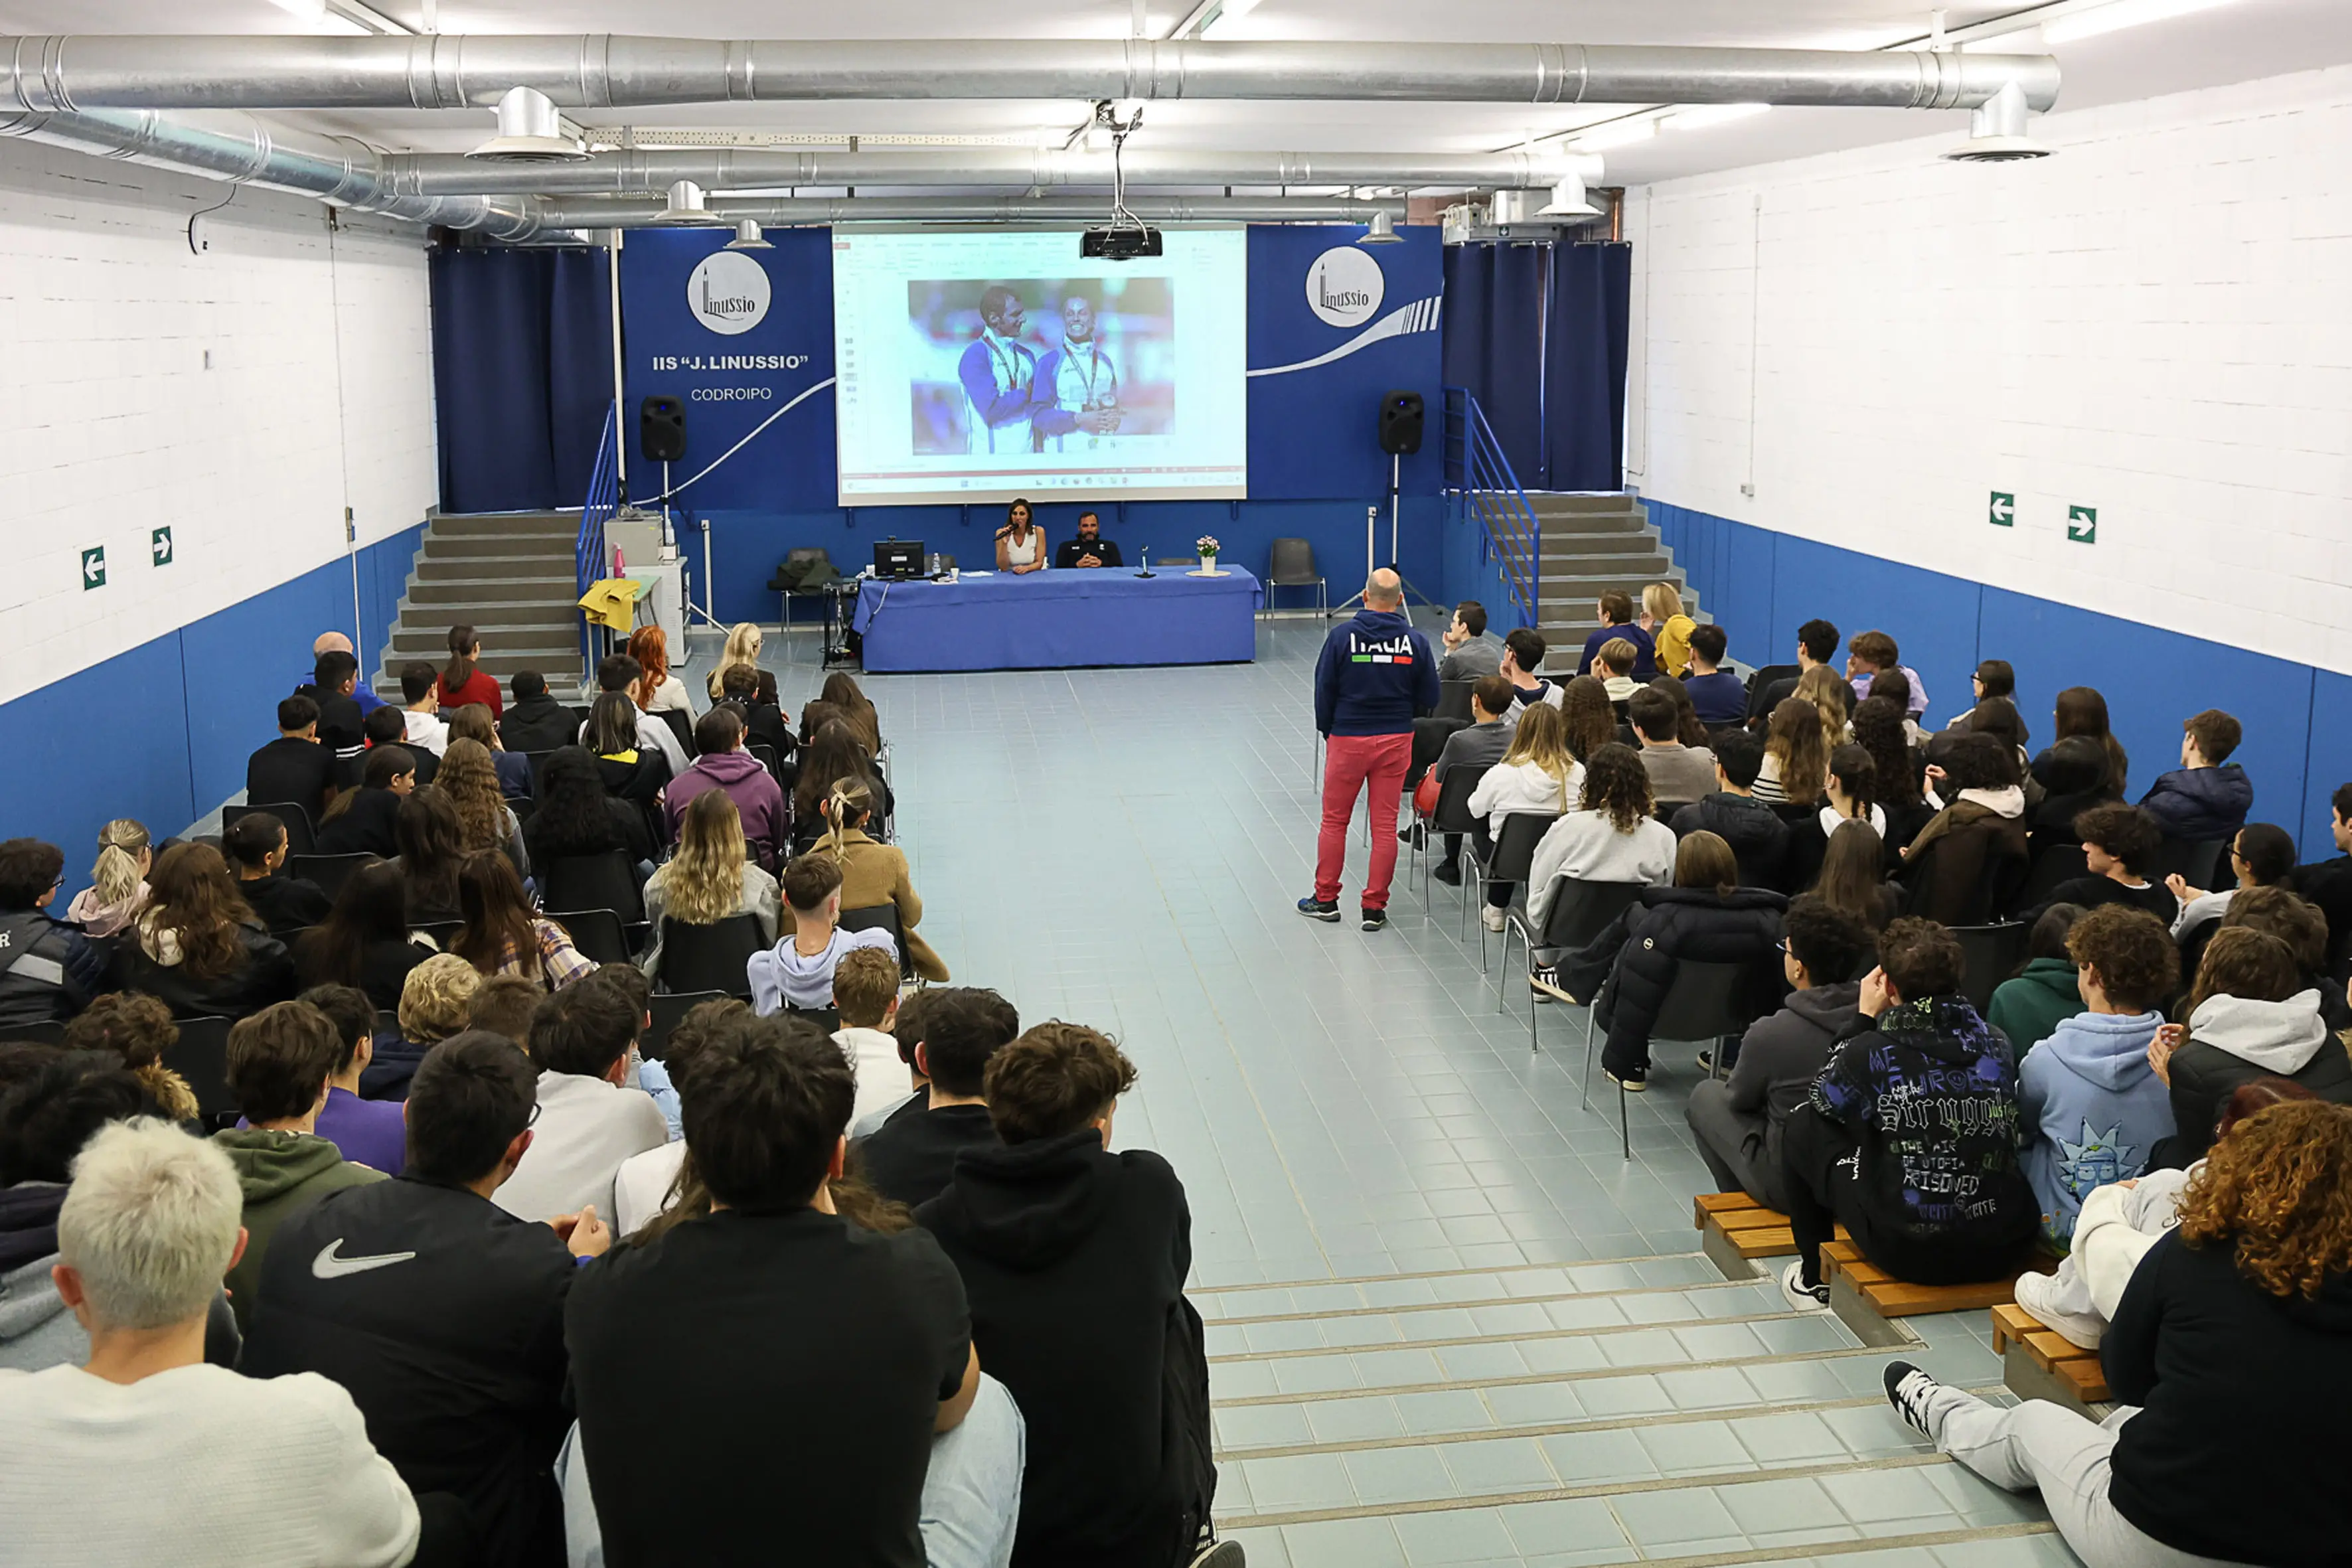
(592, 212)
(614, 71)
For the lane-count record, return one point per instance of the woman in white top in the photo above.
(1796, 758)
(1020, 543)
(1611, 837)
(1538, 777)
(2261, 856)
(656, 688)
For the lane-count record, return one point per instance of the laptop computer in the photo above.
(899, 559)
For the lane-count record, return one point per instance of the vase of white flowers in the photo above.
(1208, 546)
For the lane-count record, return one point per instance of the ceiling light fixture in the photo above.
(2112, 17)
(686, 207)
(1709, 114)
(1997, 132)
(748, 237)
(529, 131)
(1231, 11)
(1568, 200)
(1381, 230)
(1613, 133)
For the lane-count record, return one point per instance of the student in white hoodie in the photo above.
(1537, 775)
(2250, 1016)
(1610, 838)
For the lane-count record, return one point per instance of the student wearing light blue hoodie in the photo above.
(2092, 1105)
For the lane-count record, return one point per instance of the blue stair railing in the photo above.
(590, 558)
(1479, 478)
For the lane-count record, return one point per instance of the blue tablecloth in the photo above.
(1059, 620)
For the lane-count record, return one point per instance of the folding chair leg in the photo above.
(1624, 1127)
(1587, 1081)
(1503, 969)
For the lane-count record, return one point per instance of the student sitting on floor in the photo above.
(2118, 841)
(2091, 1108)
(2233, 1342)
(1909, 1136)
(1610, 838)
(2251, 1014)
(2029, 1006)
(798, 971)
(1758, 839)
(1738, 1121)
(2207, 796)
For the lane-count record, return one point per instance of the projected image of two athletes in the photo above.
(1041, 365)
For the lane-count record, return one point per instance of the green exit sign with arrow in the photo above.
(160, 541)
(2083, 524)
(93, 567)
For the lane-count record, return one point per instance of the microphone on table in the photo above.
(1145, 569)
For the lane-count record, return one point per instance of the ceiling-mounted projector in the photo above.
(1122, 244)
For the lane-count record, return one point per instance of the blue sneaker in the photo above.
(1319, 908)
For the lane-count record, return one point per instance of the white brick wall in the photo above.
(2156, 322)
(319, 394)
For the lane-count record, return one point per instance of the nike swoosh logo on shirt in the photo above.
(328, 1266)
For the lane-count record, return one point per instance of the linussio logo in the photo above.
(728, 292)
(1344, 286)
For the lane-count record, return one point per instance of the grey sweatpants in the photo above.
(1723, 1137)
(2045, 1447)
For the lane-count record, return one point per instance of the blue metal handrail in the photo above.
(590, 557)
(1478, 471)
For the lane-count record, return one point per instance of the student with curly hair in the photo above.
(2235, 1341)
(2118, 842)
(136, 1030)
(1610, 838)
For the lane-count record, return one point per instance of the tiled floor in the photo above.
(1488, 1338)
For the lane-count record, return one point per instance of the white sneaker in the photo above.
(2038, 1293)
(1220, 1554)
(1492, 917)
(1802, 1297)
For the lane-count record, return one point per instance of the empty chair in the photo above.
(301, 833)
(1705, 1001)
(329, 871)
(606, 881)
(1290, 563)
(599, 934)
(1578, 912)
(1990, 954)
(709, 957)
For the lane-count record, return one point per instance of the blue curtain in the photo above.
(1537, 334)
(522, 373)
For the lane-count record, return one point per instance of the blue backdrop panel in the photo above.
(2328, 764)
(1494, 345)
(1058, 620)
(522, 375)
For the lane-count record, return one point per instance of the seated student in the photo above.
(1972, 854)
(1669, 629)
(148, 1455)
(754, 693)
(874, 875)
(2073, 775)
(1538, 777)
(629, 769)
(1738, 1121)
(280, 1063)
(118, 889)
(656, 689)
(455, 1356)
(656, 1184)
(48, 971)
(1523, 657)
(1894, 772)
(1613, 665)
(725, 765)
(1920, 1093)
(1478, 746)
(2229, 1343)
(293, 769)
(2118, 840)
(2327, 883)
(421, 707)
(2261, 855)
(906, 1031)
(367, 1131)
(1610, 836)
(336, 642)
(709, 879)
(469, 780)
(463, 680)
(255, 847)
(534, 721)
(866, 993)
(133, 1030)
(798, 971)
(833, 753)
(2029, 1006)
(909, 1160)
(1469, 652)
(615, 674)
(341, 716)
(741, 652)
(2207, 796)
(503, 1005)
(1758, 837)
(382, 728)
(504, 934)
(1873, 654)
(364, 941)
(1852, 877)
(432, 846)
(576, 818)
(2251, 1014)
(473, 723)
(653, 1077)
(1707, 917)
(852, 708)
(1817, 644)
(198, 945)
(2081, 713)
(1716, 693)
(1074, 1260)
(1796, 756)
(778, 1314)
(1588, 720)
(1089, 549)
(364, 821)
(437, 1003)
(1615, 610)
(2090, 1107)
(1849, 794)
(1994, 679)
(592, 1113)
(2120, 1224)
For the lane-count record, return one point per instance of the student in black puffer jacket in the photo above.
(1706, 917)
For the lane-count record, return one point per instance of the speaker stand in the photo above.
(1371, 556)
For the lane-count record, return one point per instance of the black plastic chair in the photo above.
(709, 957)
(301, 833)
(1453, 700)
(47, 1032)
(329, 871)
(1578, 912)
(538, 760)
(669, 1007)
(599, 934)
(1705, 1001)
(442, 932)
(880, 917)
(682, 727)
(606, 881)
(201, 1056)
(2198, 861)
(1290, 563)
(1513, 856)
(522, 807)
(1451, 814)
(825, 1018)
(2057, 864)
(1988, 955)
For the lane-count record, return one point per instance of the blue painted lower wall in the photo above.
(161, 732)
(1760, 586)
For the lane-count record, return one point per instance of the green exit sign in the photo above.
(2002, 513)
(2083, 524)
(93, 567)
(159, 542)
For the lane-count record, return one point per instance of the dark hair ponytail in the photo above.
(460, 670)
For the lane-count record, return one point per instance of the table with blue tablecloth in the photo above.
(1059, 620)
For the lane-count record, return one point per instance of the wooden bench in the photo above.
(1866, 1297)
(1734, 1229)
(2039, 1363)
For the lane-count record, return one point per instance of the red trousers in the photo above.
(1353, 762)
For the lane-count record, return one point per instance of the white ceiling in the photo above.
(2238, 41)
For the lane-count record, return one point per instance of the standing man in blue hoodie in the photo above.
(1375, 674)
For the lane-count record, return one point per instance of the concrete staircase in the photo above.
(510, 575)
(1647, 1409)
(1592, 543)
